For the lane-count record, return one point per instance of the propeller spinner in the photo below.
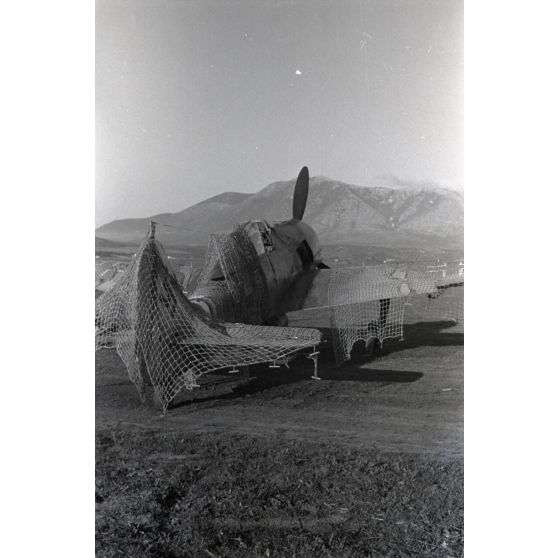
(300, 194)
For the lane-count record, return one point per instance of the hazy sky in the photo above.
(197, 97)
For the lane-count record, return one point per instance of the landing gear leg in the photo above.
(370, 348)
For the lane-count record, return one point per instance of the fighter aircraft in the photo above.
(253, 277)
(295, 277)
(289, 257)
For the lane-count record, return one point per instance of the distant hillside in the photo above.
(340, 213)
(105, 244)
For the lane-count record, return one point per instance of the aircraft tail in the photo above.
(167, 342)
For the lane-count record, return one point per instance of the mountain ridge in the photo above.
(338, 211)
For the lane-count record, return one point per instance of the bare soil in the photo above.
(367, 461)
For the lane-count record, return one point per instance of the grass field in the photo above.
(366, 462)
(174, 494)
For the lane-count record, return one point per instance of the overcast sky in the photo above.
(197, 97)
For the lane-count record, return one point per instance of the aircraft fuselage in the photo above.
(289, 256)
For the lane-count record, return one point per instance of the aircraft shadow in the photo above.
(423, 334)
(263, 378)
(356, 374)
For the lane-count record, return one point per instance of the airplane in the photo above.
(289, 256)
(237, 315)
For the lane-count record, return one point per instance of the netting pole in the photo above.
(314, 357)
(158, 402)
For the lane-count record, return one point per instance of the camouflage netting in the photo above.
(243, 291)
(107, 274)
(166, 341)
(190, 278)
(369, 302)
(104, 271)
(365, 304)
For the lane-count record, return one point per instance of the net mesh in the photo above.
(364, 304)
(104, 271)
(166, 341)
(242, 294)
(369, 302)
(190, 278)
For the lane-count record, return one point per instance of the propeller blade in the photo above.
(300, 193)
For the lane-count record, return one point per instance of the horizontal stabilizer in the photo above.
(167, 342)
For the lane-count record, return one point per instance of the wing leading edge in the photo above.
(368, 303)
(337, 287)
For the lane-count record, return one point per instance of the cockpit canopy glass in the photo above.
(259, 233)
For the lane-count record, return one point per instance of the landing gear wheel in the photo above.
(371, 347)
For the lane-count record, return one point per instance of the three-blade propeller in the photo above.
(300, 194)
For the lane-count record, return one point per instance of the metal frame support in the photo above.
(314, 357)
(279, 362)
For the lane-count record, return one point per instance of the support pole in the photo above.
(314, 357)
(152, 229)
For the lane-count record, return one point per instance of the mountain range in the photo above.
(340, 213)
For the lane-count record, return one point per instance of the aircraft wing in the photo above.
(337, 287)
(368, 303)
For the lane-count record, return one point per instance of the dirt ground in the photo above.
(367, 461)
